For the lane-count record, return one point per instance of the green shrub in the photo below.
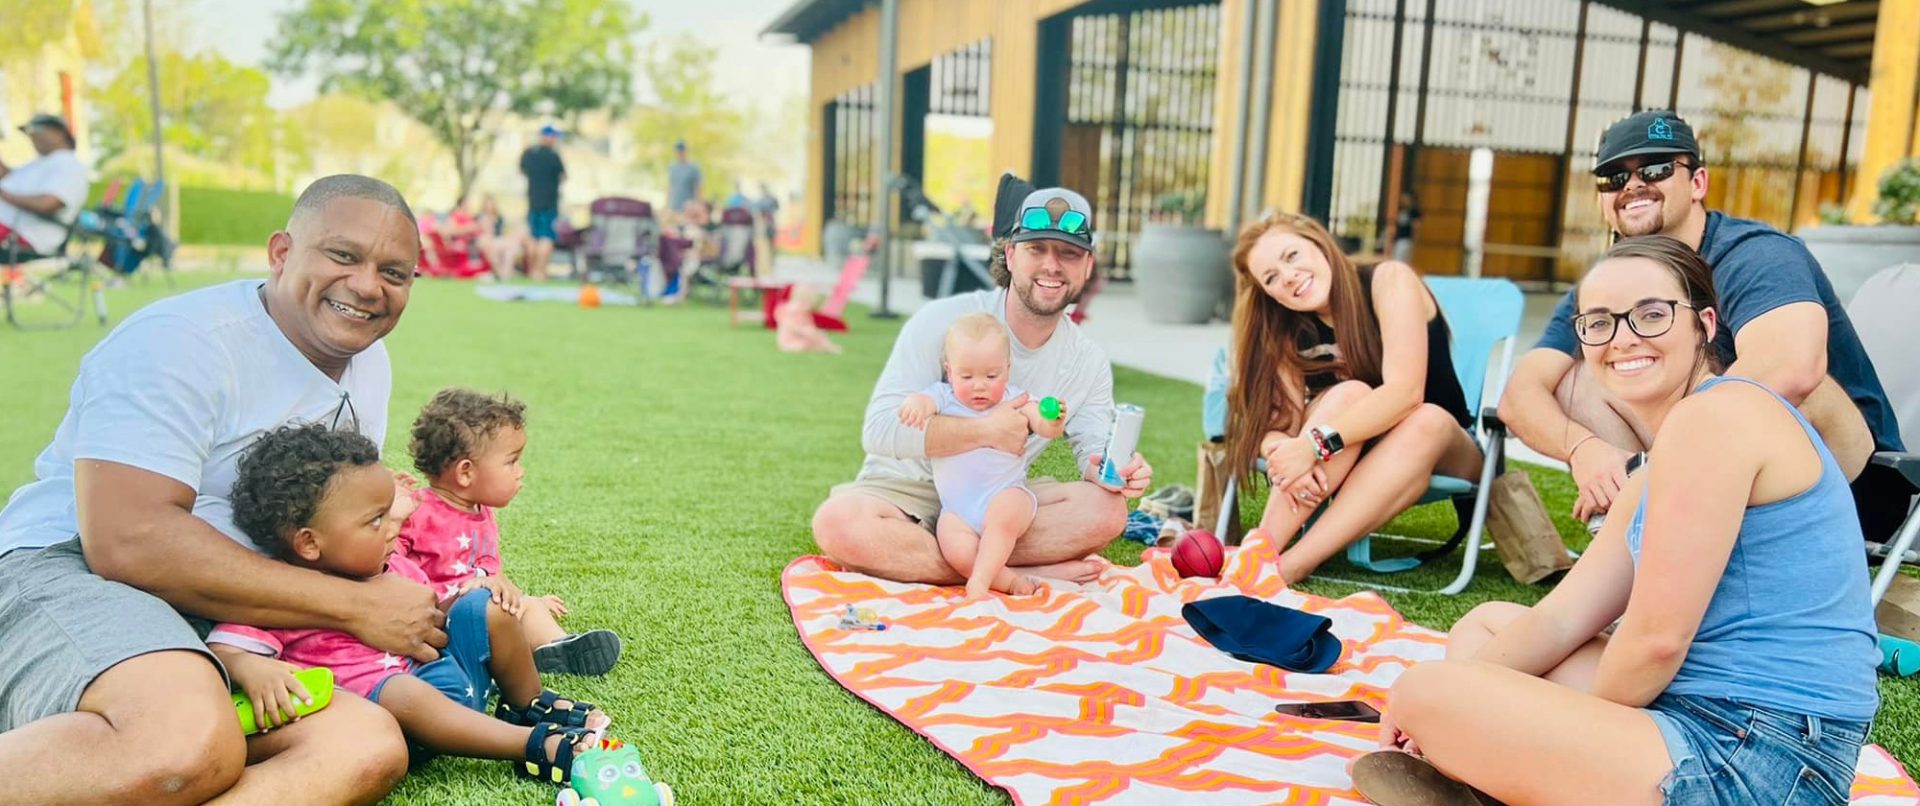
(218, 216)
(1900, 194)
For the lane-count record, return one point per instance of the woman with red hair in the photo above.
(1342, 382)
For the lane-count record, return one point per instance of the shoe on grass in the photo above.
(589, 654)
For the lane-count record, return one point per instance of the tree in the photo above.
(458, 66)
(214, 110)
(686, 104)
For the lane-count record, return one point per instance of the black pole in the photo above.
(1393, 111)
(1640, 73)
(1323, 114)
(1800, 166)
(1420, 98)
(1846, 141)
(1560, 183)
(888, 111)
(1673, 92)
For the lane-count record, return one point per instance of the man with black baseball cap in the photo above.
(882, 522)
(1784, 328)
(40, 199)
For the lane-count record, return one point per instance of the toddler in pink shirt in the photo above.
(320, 499)
(468, 447)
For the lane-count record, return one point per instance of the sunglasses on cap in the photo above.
(1072, 222)
(1651, 174)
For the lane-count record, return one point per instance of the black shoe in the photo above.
(1393, 778)
(591, 654)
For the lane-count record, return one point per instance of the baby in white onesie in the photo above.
(984, 501)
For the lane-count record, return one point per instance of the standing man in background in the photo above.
(541, 164)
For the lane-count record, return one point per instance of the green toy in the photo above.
(612, 775)
(319, 683)
(1050, 408)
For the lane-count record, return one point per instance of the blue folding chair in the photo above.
(1481, 313)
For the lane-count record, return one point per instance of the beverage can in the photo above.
(1121, 443)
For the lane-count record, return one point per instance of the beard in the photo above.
(1025, 291)
(1647, 226)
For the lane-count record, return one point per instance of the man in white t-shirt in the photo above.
(107, 694)
(40, 200)
(882, 522)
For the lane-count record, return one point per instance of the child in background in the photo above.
(795, 331)
(468, 447)
(319, 499)
(984, 501)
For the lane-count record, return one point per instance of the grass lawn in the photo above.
(673, 464)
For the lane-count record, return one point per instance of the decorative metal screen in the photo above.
(852, 149)
(1139, 131)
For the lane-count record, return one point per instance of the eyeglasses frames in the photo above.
(1647, 320)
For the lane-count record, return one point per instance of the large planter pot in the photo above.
(1182, 273)
(1850, 255)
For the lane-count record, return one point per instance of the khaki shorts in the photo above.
(917, 498)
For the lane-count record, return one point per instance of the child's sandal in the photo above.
(557, 768)
(542, 711)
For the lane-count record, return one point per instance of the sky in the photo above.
(761, 73)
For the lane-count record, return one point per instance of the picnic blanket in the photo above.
(1102, 693)
(546, 293)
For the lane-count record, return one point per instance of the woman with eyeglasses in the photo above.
(1741, 669)
(1343, 381)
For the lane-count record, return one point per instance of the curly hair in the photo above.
(456, 424)
(285, 474)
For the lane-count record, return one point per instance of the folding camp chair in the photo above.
(130, 231)
(1481, 313)
(68, 289)
(1883, 314)
(618, 245)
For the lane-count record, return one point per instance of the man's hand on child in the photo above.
(917, 410)
(505, 593)
(398, 615)
(1006, 427)
(270, 684)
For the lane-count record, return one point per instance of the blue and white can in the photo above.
(1121, 443)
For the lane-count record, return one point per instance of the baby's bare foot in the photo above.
(975, 594)
(1079, 571)
(1024, 585)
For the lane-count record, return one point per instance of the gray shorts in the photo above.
(62, 626)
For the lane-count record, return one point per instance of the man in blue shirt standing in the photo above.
(1785, 329)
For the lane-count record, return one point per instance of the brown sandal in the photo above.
(1395, 778)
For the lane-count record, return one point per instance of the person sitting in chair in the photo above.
(40, 200)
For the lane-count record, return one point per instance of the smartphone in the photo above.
(1343, 710)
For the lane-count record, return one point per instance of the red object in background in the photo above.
(1199, 554)
(438, 258)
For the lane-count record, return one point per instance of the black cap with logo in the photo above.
(1655, 131)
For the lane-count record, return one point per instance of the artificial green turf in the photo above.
(673, 464)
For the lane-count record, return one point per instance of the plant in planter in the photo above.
(1849, 254)
(1179, 266)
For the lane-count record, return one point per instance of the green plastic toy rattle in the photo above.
(1050, 408)
(319, 683)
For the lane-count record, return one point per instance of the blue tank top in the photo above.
(1790, 625)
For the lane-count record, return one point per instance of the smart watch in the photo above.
(1328, 440)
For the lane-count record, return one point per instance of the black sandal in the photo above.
(542, 712)
(557, 768)
(1395, 778)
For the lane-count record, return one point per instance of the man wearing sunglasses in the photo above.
(882, 522)
(1785, 329)
(127, 533)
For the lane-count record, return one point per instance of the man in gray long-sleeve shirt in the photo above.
(882, 522)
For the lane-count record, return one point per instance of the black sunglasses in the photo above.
(1647, 320)
(1651, 174)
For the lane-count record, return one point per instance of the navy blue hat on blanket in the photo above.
(1260, 632)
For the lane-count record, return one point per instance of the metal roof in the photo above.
(1833, 38)
(807, 20)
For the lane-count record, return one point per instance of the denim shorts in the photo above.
(461, 671)
(1726, 753)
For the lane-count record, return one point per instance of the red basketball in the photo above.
(1198, 554)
